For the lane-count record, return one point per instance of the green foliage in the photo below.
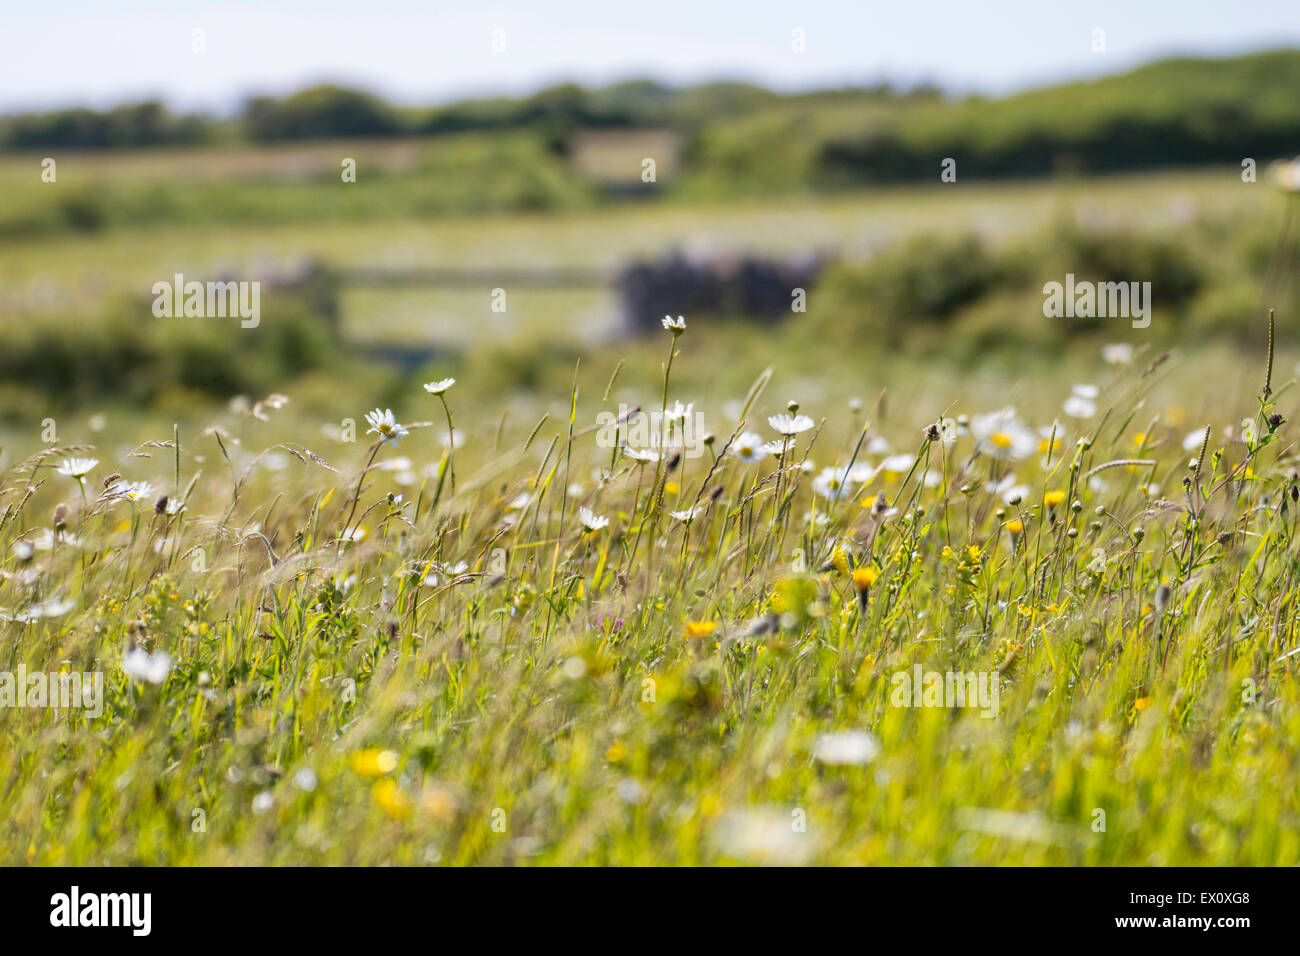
(963, 296)
(131, 355)
(928, 278)
(134, 126)
(321, 112)
(1175, 112)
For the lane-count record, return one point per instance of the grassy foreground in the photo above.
(543, 647)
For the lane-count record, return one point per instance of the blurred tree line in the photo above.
(743, 137)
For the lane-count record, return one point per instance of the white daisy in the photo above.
(273, 402)
(676, 326)
(815, 518)
(440, 386)
(777, 448)
(1015, 494)
(1001, 487)
(152, 668)
(861, 472)
(641, 454)
(590, 520)
(949, 429)
(134, 490)
(1194, 440)
(48, 538)
(77, 468)
(1118, 353)
(898, 464)
(447, 572)
(846, 748)
(383, 424)
(1286, 175)
(677, 412)
(1001, 435)
(1077, 406)
(1050, 436)
(55, 607)
(748, 447)
(832, 483)
(790, 424)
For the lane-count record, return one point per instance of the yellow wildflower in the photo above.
(391, 798)
(864, 577)
(700, 629)
(373, 762)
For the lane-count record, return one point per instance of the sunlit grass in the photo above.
(382, 667)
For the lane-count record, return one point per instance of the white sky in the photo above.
(92, 52)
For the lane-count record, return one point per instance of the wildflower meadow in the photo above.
(537, 643)
(424, 442)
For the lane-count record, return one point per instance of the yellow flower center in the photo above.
(863, 578)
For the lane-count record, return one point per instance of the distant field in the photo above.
(78, 271)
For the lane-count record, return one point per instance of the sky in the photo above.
(97, 53)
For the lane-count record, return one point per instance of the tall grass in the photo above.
(370, 665)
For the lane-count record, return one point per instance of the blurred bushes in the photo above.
(132, 356)
(321, 112)
(1178, 112)
(137, 125)
(968, 299)
(926, 280)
